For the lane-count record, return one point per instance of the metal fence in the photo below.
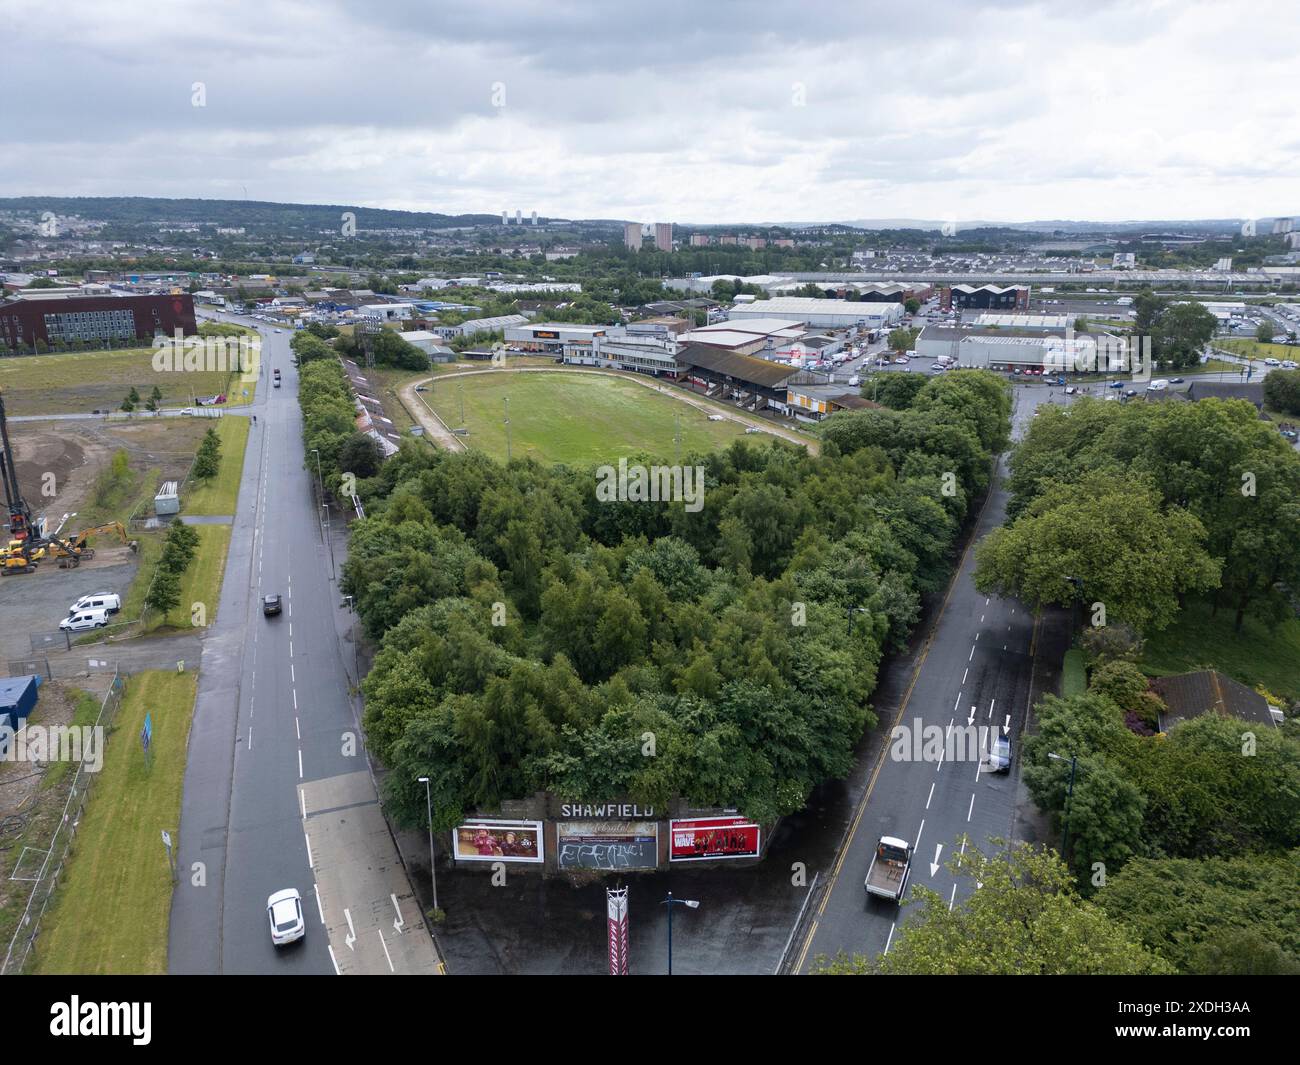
(45, 878)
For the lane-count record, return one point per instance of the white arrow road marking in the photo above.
(934, 865)
(398, 923)
(971, 720)
(351, 937)
(1007, 726)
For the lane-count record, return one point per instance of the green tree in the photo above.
(1104, 540)
(1265, 331)
(165, 591)
(1025, 919)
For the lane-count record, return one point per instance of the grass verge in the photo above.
(221, 494)
(1074, 677)
(110, 914)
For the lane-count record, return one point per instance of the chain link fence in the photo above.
(43, 868)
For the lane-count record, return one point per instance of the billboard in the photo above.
(707, 838)
(498, 841)
(608, 845)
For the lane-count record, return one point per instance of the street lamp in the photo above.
(670, 902)
(1074, 765)
(433, 876)
(329, 542)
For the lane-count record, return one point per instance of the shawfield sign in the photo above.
(628, 811)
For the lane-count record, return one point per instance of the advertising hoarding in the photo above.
(498, 841)
(710, 838)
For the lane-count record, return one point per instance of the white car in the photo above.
(279, 330)
(716, 418)
(284, 910)
(1271, 362)
(83, 620)
(854, 381)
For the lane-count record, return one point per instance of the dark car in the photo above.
(271, 604)
(1176, 381)
(1000, 755)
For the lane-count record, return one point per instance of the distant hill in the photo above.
(254, 213)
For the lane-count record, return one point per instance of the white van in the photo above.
(84, 619)
(104, 601)
(1158, 385)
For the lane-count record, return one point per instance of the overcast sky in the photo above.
(688, 111)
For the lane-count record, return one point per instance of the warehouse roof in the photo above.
(730, 364)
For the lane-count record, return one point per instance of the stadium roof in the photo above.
(730, 364)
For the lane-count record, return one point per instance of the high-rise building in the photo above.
(519, 217)
(632, 236)
(1281, 226)
(505, 218)
(699, 240)
(664, 236)
(534, 218)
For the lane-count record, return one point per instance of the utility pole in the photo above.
(433, 876)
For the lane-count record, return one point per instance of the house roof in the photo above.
(730, 364)
(1189, 695)
(851, 402)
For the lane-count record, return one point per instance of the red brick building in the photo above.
(65, 320)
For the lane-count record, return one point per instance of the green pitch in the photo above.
(574, 418)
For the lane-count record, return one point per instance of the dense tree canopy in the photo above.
(534, 637)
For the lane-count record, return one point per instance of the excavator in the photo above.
(72, 551)
(29, 542)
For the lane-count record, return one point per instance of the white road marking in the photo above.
(964, 673)
(969, 812)
(319, 908)
(929, 797)
(977, 636)
(296, 729)
(918, 834)
(972, 653)
(250, 737)
(291, 649)
(299, 763)
(293, 679)
(991, 705)
(310, 861)
(952, 898)
(291, 630)
(891, 936)
(386, 954)
(295, 698)
(957, 703)
(981, 619)
(334, 962)
(302, 803)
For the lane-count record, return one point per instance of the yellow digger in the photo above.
(71, 551)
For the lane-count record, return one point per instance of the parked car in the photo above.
(901, 360)
(753, 429)
(284, 910)
(271, 604)
(716, 418)
(854, 381)
(105, 601)
(83, 620)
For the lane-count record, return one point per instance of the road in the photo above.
(278, 792)
(972, 680)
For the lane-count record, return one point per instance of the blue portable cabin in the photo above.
(17, 698)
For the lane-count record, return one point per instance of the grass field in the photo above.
(110, 915)
(1259, 654)
(1253, 349)
(201, 582)
(80, 382)
(574, 418)
(220, 495)
(1074, 677)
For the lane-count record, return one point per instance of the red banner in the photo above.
(616, 908)
(711, 838)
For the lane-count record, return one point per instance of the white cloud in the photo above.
(726, 112)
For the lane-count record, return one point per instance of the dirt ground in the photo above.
(76, 452)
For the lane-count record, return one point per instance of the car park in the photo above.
(284, 911)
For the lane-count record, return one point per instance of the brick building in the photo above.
(67, 320)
